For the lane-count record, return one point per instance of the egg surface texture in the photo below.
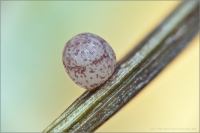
(89, 60)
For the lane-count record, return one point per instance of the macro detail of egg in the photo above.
(89, 60)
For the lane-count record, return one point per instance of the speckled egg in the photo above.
(89, 60)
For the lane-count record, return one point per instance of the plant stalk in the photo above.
(133, 72)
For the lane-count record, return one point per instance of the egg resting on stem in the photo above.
(89, 60)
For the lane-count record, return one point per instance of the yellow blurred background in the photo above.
(35, 88)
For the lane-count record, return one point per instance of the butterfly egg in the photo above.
(88, 60)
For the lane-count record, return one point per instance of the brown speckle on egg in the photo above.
(89, 60)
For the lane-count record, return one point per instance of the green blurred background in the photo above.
(35, 88)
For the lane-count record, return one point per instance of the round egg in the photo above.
(88, 60)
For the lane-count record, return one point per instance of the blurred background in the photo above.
(35, 88)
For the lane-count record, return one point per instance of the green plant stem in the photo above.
(133, 72)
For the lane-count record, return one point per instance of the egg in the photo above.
(88, 60)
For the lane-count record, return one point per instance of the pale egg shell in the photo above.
(89, 60)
